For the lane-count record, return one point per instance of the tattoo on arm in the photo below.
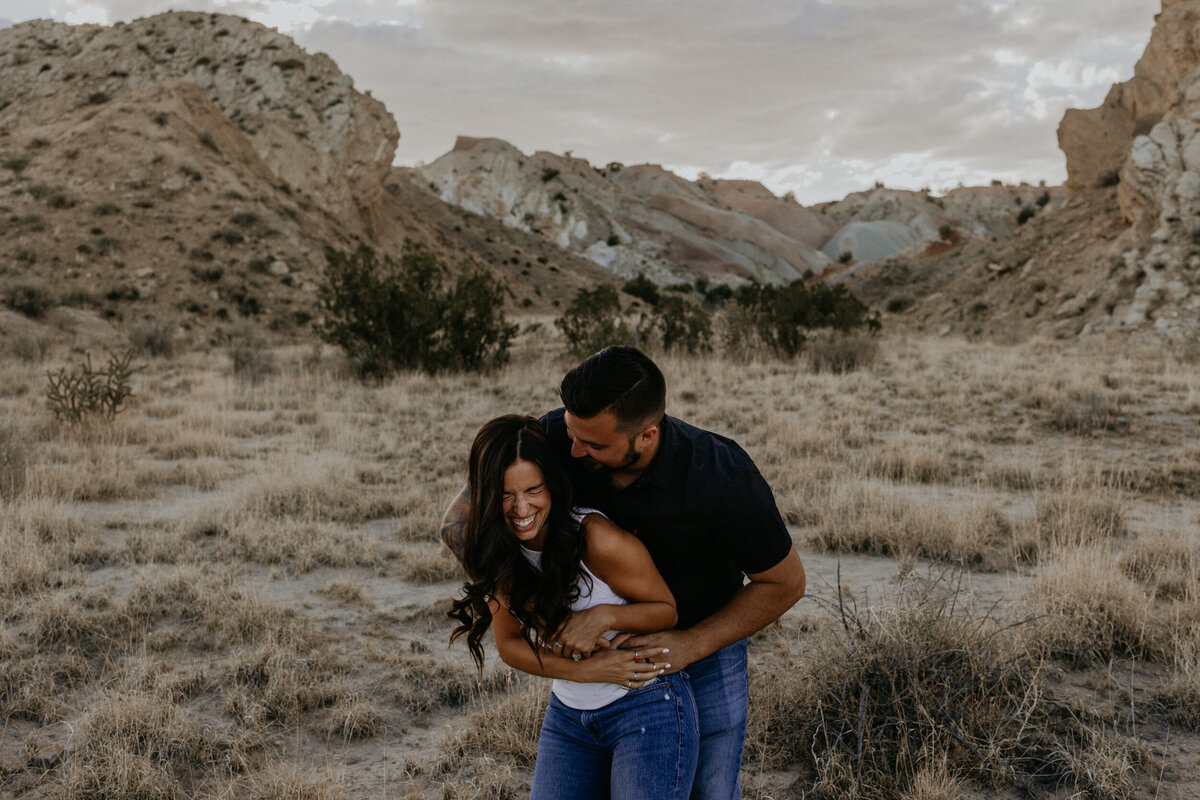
(454, 523)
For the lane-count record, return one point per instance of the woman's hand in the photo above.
(623, 667)
(583, 633)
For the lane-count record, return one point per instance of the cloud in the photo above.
(812, 94)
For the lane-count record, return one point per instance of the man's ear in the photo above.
(648, 435)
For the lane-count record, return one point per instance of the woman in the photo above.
(556, 584)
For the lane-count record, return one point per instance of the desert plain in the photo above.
(234, 587)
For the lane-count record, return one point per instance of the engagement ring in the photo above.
(576, 657)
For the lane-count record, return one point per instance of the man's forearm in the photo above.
(755, 606)
(768, 595)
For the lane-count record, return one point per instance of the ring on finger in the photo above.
(576, 656)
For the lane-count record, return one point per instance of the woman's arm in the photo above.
(622, 561)
(610, 667)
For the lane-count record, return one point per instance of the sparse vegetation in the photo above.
(31, 298)
(84, 392)
(389, 316)
(593, 321)
(283, 606)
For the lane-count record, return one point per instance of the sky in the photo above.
(817, 97)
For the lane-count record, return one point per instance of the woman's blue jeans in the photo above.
(640, 746)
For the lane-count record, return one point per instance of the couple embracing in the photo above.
(628, 556)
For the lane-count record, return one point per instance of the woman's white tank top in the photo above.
(585, 696)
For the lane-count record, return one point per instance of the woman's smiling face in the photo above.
(526, 503)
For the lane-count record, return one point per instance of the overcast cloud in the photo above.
(821, 97)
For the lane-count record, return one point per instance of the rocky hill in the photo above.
(195, 168)
(645, 219)
(1122, 255)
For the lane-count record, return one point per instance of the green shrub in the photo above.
(642, 288)
(785, 314)
(593, 321)
(98, 98)
(390, 316)
(613, 241)
(76, 394)
(898, 304)
(549, 174)
(1026, 214)
(104, 209)
(945, 231)
(846, 257)
(683, 325)
(32, 299)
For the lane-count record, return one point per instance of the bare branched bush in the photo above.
(918, 685)
(85, 391)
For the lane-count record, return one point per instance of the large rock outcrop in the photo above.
(1145, 138)
(297, 110)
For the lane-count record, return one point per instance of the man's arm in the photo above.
(757, 604)
(454, 523)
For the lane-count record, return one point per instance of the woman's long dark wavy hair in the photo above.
(539, 599)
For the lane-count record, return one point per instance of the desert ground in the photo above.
(234, 587)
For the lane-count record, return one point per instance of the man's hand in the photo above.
(677, 647)
(583, 631)
(757, 604)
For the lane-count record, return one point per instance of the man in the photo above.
(708, 519)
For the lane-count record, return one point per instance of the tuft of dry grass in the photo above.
(352, 717)
(134, 746)
(318, 489)
(1088, 609)
(428, 562)
(505, 730)
(14, 460)
(864, 519)
(1169, 564)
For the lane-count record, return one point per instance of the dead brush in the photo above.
(1168, 564)
(918, 683)
(506, 731)
(278, 681)
(322, 489)
(420, 685)
(14, 460)
(1069, 516)
(862, 519)
(1089, 610)
(134, 746)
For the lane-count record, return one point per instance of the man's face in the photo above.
(603, 446)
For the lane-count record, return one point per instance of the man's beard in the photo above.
(631, 457)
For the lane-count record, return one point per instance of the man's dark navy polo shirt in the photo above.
(702, 509)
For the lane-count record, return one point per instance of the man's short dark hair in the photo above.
(619, 379)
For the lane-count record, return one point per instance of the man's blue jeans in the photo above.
(721, 684)
(640, 746)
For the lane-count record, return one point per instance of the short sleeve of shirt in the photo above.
(758, 538)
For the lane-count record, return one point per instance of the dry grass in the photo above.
(134, 746)
(1088, 609)
(864, 519)
(259, 558)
